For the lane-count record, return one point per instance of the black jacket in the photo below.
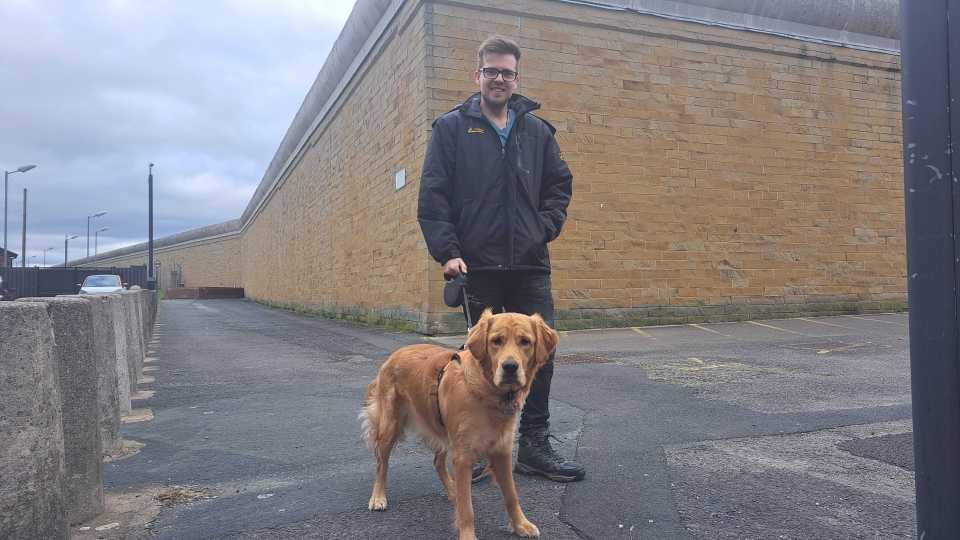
(496, 206)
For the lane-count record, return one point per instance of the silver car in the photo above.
(102, 284)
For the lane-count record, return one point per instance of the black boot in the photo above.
(536, 456)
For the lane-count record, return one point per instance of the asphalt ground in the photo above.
(793, 429)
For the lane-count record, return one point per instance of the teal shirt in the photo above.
(505, 132)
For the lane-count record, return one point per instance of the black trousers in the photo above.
(518, 292)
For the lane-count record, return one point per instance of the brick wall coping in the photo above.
(871, 25)
(209, 232)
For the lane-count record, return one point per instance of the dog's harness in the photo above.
(454, 358)
(509, 404)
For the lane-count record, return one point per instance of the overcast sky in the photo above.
(93, 91)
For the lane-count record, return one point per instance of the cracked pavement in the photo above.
(793, 428)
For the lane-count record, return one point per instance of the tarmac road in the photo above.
(792, 429)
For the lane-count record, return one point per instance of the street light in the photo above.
(98, 214)
(45, 250)
(96, 235)
(6, 176)
(66, 239)
(32, 257)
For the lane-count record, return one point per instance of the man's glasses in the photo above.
(492, 73)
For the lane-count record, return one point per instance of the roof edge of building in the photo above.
(225, 228)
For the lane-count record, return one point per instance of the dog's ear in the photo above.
(547, 339)
(477, 340)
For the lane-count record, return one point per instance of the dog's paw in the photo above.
(525, 529)
(377, 503)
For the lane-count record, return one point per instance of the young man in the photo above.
(493, 193)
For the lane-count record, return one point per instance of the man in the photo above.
(494, 191)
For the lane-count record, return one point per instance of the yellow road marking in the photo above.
(770, 326)
(641, 332)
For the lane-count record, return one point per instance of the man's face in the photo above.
(496, 92)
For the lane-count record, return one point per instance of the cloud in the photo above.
(93, 91)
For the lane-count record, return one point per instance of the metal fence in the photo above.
(24, 282)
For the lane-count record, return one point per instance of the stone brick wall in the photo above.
(205, 263)
(718, 173)
(336, 235)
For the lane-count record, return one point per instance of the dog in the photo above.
(465, 403)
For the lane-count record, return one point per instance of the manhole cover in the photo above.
(581, 359)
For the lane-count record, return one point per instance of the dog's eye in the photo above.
(524, 341)
(498, 341)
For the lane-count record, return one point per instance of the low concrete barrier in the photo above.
(122, 358)
(32, 498)
(135, 345)
(76, 365)
(136, 327)
(108, 389)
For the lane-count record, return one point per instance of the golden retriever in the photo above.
(466, 403)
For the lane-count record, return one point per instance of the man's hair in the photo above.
(498, 45)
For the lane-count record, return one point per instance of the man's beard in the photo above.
(495, 103)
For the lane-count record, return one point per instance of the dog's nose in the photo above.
(510, 367)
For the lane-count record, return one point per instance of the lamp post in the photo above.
(96, 235)
(151, 277)
(6, 176)
(91, 216)
(66, 239)
(45, 250)
(23, 229)
(32, 257)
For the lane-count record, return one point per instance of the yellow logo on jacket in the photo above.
(475, 130)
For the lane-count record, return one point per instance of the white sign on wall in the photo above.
(400, 179)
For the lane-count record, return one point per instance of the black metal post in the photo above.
(931, 117)
(6, 180)
(65, 251)
(151, 278)
(23, 232)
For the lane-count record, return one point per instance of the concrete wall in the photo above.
(54, 356)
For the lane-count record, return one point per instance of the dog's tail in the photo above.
(370, 416)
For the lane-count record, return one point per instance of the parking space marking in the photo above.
(902, 325)
(770, 326)
(848, 347)
(711, 330)
(824, 323)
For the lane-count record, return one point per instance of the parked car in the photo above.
(4, 294)
(101, 284)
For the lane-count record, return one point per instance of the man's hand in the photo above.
(454, 267)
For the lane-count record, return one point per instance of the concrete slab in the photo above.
(32, 494)
(108, 389)
(125, 382)
(77, 368)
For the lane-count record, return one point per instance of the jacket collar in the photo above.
(520, 105)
